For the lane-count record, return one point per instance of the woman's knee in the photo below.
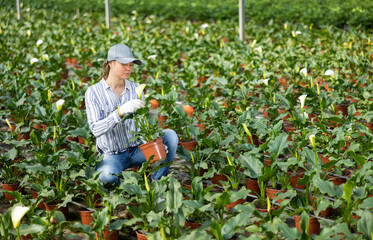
(171, 138)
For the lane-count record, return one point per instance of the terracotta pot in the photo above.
(286, 117)
(190, 145)
(155, 148)
(217, 178)
(342, 108)
(27, 237)
(192, 225)
(255, 140)
(326, 213)
(154, 103)
(189, 110)
(252, 184)
(313, 226)
(34, 195)
(289, 128)
(11, 187)
(107, 235)
(338, 180)
(161, 120)
(294, 179)
(64, 210)
(272, 193)
(25, 136)
(235, 203)
(141, 236)
(40, 126)
(86, 217)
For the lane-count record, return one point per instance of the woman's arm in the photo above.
(98, 124)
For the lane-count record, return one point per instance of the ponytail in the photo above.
(105, 70)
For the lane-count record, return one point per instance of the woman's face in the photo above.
(121, 70)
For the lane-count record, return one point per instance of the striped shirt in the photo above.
(113, 135)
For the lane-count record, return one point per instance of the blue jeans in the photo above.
(133, 157)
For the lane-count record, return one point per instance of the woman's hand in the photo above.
(130, 107)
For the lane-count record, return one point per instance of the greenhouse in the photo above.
(258, 116)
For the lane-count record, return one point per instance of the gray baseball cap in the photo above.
(122, 54)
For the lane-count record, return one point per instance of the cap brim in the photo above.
(129, 60)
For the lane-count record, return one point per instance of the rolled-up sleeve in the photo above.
(98, 123)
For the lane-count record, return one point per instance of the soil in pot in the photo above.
(313, 227)
(155, 148)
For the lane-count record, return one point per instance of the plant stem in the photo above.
(18, 236)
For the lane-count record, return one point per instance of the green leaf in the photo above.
(277, 146)
(365, 224)
(174, 196)
(347, 191)
(327, 187)
(237, 221)
(25, 229)
(59, 217)
(288, 232)
(253, 166)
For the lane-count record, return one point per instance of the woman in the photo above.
(107, 102)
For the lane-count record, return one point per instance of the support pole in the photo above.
(108, 13)
(19, 14)
(241, 16)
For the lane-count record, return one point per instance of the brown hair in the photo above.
(105, 70)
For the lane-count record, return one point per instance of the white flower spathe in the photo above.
(312, 140)
(46, 57)
(152, 57)
(265, 81)
(59, 104)
(205, 25)
(329, 72)
(28, 32)
(17, 214)
(139, 89)
(34, 60)
(298, 32)
(302, 99)
(259, 49)
(196, 35)
(134, 12)
(303, 71)
(39, 42)
(133, 18)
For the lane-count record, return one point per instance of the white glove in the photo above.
(165, 148)
(131, 106)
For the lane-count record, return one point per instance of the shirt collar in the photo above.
(106, 86)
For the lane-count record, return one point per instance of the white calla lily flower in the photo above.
(259, 49)
(39, 42)
(17, 214)
(59, 104)
(303, 71)
(302, 99)
(45, 56)
(265, 81)
(205, 25)
(139, 89)
(34, 60)
(329, 72)
(313, 140)
(152, 57)
(28, 32)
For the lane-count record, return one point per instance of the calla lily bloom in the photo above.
(259, 49)
(39, 42)
(329, 72)
(28, 32)
(139, 89)
(146, 183)
(302, 98)
(45, 57)
(34, 60)
(313, 140)
(265, 81)
(17, 214)
(303, 71)
(59, 104)
(152, 57)
(205, 25)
